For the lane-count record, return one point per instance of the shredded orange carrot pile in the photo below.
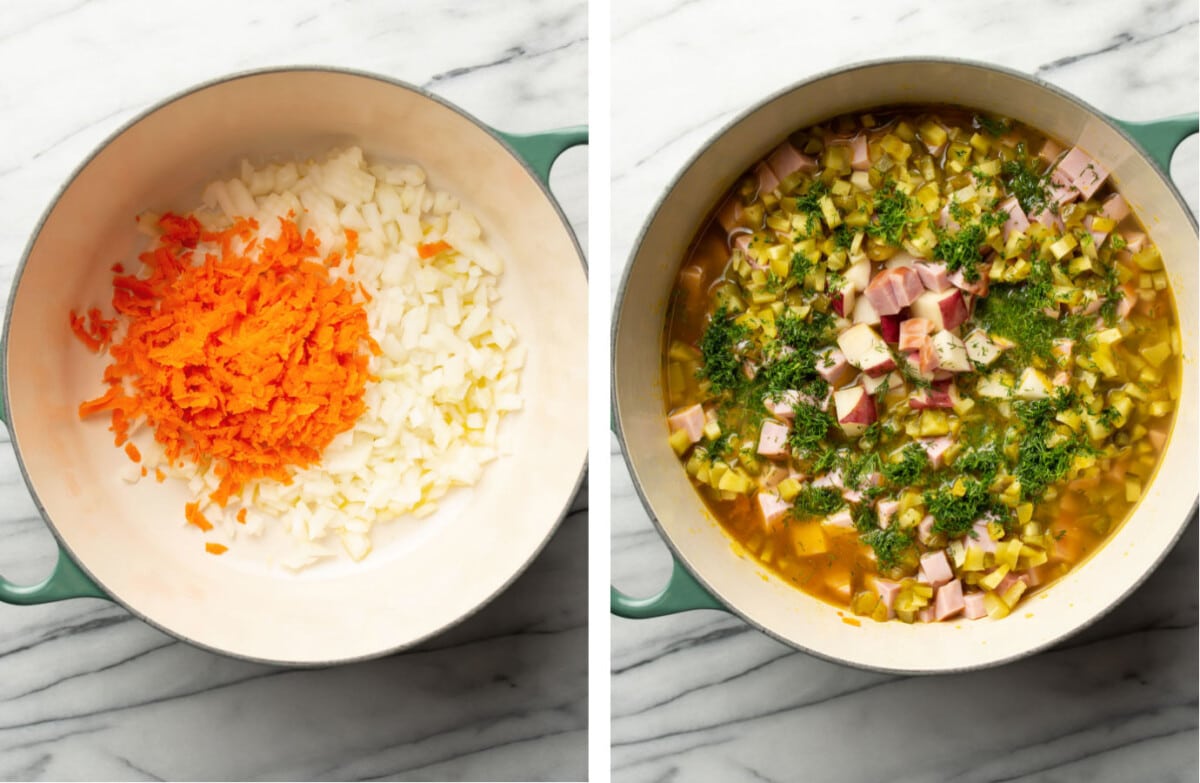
(251, 361)
(95, 331)
(214, 548)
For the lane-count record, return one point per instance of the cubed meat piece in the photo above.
(950, 351)
(855, 410)
(933, 275)
(786, 160)
(1134, 240)
(977, 287)
(1048, 219)
(946, 221)
(944, 309)
(1017, 221)
(767, 181)
(1098, 236)
(980, 348)
(1062, 348)
(772, 508)
(864, 312)
(922, 362)
(1012, 578)
(886, 511)
(973, 606)
(948, 600)
(866, 350)
(936, 567)
(782, 406)
(935, 449)
(886, 589)
(1115, 208)
(730, 214)
(914, 332)
(689, 419)
(1084, 173)
(839, 518)
(925, 530)
(982, 538)
(858, 274)
(772, 476)
(772, 439)
(860, 159)
(894, 289)
(833, 367)
(1062, 189)
(832, 479)
(1050, 151)
(925, 615)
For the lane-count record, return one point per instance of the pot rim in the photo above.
(618, 428)
(35, 234)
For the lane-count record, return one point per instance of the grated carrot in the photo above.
(191, 513)
(95, 330)
(159, 476)
(241, 516)
(144, 471)
(430, 249)
(133, 452)
(215, 549)
(118, 268)
(351, 242)
(250, 362)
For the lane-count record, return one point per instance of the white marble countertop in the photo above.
(86, 691)
(704, 697)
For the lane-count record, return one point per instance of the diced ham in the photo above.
(833, 367)
(1134, 240)
(1115, 208)
(1050, 151)
(948, 600)
(772, 507)
(840, 518)
(945, 309)
(914, 332)
(923, 362)
(1157, 438)
(749, 369)
(1017, 220)
(946, 221)
(772, 439)
(982, 538)
(973, 606)
(886, 510)
(689, 419)
(925, 530)
(730, 214)
(1012, 578)
(785, 160)
(933, 275)
(783, 406)
(767, 181)
(935, 449)
(860, 159)
(832, 479)
(1063, 348)
(925, 615)
(772, 476)
(886, 589)
(1085, 174)
(1062, 189)
(978, 287)
(936, 567)
(1048, 219)
(893, 289)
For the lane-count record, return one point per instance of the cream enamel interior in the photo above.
(130, 539)
(760, 596)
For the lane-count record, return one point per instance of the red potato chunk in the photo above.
(855, 410)
(950, 351)
(944, 309)
(866, 350)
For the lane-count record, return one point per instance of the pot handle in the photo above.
(540, 150)
(682, 594)
(67, 580)
(1159, 138)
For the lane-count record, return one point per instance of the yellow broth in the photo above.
(1123, 374)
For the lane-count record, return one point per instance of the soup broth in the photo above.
(921, 362)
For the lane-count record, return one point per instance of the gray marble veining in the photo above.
(86, 691)
(704, 697)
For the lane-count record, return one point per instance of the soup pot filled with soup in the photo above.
(899, 360)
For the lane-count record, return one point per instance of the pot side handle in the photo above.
(1159, 138)
(540, 150)
(682, 594)
(67, 580)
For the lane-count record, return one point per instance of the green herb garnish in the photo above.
(720, 363)
(889, 544)
(913, 463)
(817, 502)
